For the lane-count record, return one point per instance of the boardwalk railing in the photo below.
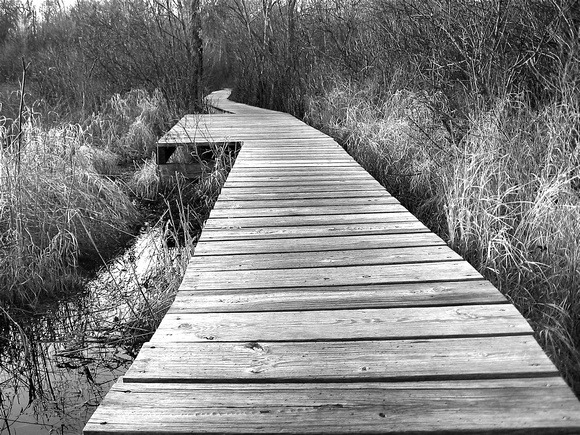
(316, 303)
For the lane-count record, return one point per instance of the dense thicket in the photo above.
(282, 50)
(486, 49)
(79, 56)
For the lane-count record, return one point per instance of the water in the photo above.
(55, 368)
(57, 365)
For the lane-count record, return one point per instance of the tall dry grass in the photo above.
(59, 207)
(55, 210)
(512, 205)
(501, 184)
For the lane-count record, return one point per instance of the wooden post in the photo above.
(163, 153)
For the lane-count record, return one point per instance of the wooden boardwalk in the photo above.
(316, 303)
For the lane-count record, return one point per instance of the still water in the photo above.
(57, 365)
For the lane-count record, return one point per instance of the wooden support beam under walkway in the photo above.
(316, 303)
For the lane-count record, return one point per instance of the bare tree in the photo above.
(196, 51)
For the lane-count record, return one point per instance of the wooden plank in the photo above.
(339, 297)
(306, 211)
(237, 135)
(291, 164)
(288, 145)
(255, 130)
(264, 160)
(218, 134)
(277, 147)
(329, 276)
(295, 152)
(269, 172)
(311, 176)
(309, 244)
(350, 166)
(309, 140)
(257, 194)
(296, 260)
(508, 406)
(359, 184)
(318, 187)
(341, 361)
(298, 232)
(304, 202)
(322, 143)
(311, 220)
(327, 325)
(246, 124)
(230, 124)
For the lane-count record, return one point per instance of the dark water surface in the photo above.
(58, 364)
(55, 368)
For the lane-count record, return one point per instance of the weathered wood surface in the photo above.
(485, 406)
(328, 276)
(316, 303)
(306, 244)
(351, 219)
(352, 257)
(424, 294)
(295, 232)
(321, 325)
(341, 361)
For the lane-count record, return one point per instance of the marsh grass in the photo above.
(501, 185)
(59, 206)
(146, 181)
(55, 211)
(129, 125)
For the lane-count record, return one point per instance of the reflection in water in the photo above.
(56, 366)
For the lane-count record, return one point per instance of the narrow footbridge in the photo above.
(316, 303)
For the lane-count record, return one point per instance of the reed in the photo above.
(512, 205)
(59, 207)
(391, 133)
(53, 202)
(146, 181)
